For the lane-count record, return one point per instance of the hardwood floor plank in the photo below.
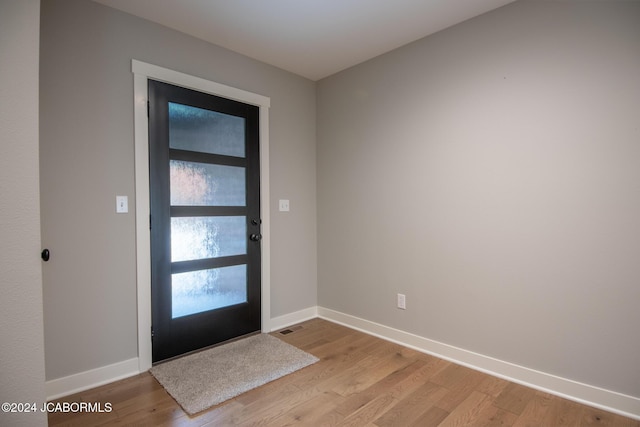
(385, 386)
(460, 388)
(535, 410)
(413, 406)
(372, 369)
(216, 416)
(369, 412)
(563, 413)
(452, 374)
(596, 417)
(492, 386)
(360, 380)
(496, 417)
(514, 398)
(468, 412)
(305, 413)
(431, 418)
(277, 401)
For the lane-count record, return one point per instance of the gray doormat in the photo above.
(204, 379)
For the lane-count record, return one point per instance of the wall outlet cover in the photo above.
(402, 301)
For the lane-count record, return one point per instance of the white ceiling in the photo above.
(312, 38)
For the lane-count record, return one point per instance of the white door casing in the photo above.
(142, 72)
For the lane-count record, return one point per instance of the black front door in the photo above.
(205, 219)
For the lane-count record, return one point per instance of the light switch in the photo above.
(122, 204)
(284, 205)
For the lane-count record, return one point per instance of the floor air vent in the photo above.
(291, 329)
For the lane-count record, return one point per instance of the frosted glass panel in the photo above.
(204, 290)
(205, 131)
(207, 237)
(202, 184)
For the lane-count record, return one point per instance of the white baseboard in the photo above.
(607, 400)
(81, 381)
(293, 318)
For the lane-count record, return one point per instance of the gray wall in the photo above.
(86, 127)
(491, 172)
(21, 331)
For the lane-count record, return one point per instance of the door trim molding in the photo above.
(142, 72)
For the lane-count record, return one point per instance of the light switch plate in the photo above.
(284, 205)
(122, 204)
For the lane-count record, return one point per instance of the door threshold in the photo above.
(207, 348)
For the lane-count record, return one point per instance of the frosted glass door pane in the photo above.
(204, 290)
(202, 184)
(208, 237)
(205, 131)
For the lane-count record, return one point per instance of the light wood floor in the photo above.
(360, 381)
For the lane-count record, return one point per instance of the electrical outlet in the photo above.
(402, 301)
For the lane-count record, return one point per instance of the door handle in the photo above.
(255, 237)
(45, 255)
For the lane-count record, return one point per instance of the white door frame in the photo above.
(142, 72)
